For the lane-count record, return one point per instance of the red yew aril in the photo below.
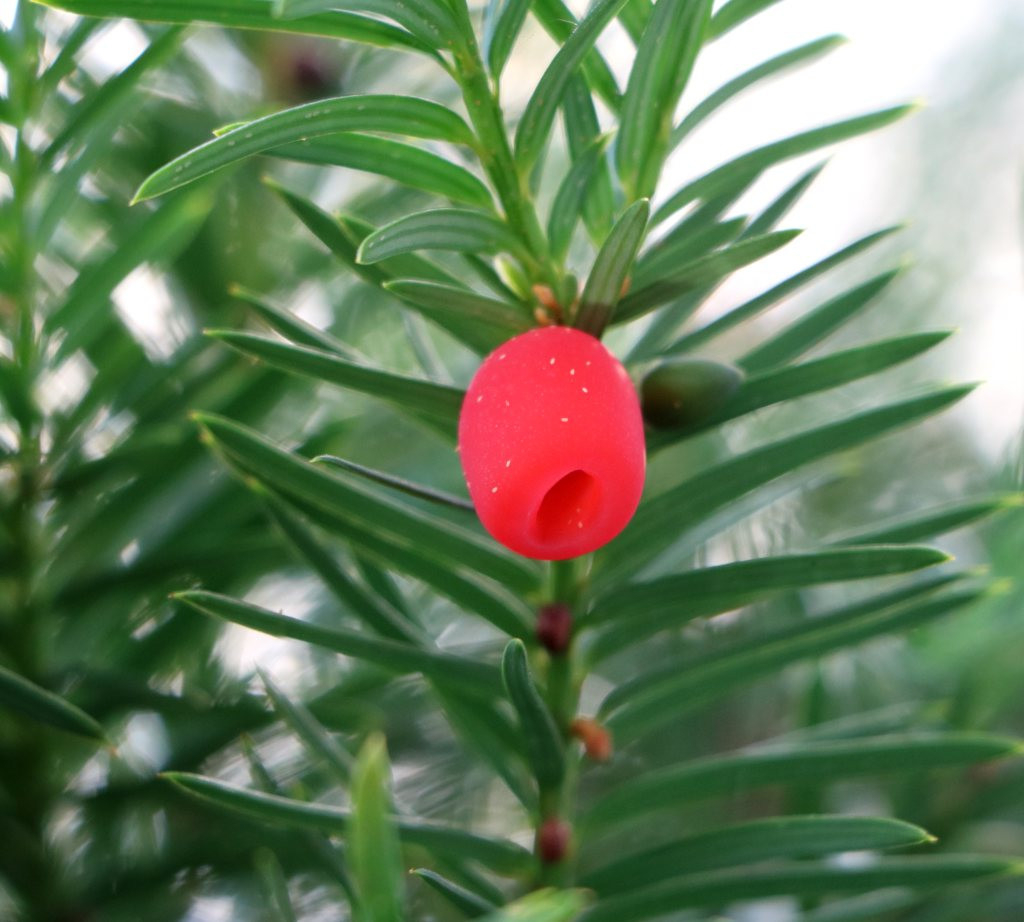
(552, 444)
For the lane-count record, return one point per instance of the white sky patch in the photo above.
(243, 651)
(211, 909)
(222, 60)
(7, 10)
(61, 388)
(310, 303)
(144, 303)
(129, 553)
(144, 743)
(92, 776)
(113, 49)
(105, 432)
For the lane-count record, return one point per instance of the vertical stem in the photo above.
(562, 697)
(496, 156)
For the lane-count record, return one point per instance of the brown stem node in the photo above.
(553, 836)
(597, 741)
(554, 627)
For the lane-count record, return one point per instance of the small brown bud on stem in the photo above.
(597, 741)
(553, 840)
(554, 627)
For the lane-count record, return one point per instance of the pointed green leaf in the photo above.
(246, 14)
(773, 296)
(403, 163)
(342, 237)
(466, 901)
(403, 115)
(818, 764)
(560, 23)
(814, 326)
(275, 886)
(934, 522)
(634, 17)
(746, 843)
(735, 12)
(397, 483)
(378, 613)
(702, 271)
(670, 601)
(611, 269)
(713, 595)
(583, 130)
(798, 879)
(776, 210)
(658, 523)
(471, 676)
(503, 608)
(687, 242)
(544, 744)
(762, 158)
(486, 729)
(659, 697)
(41, 705)
(431, 21)
(284, 472)
(567, 207)
(793, 381)
(436, 301)
(667, 324)
(290, 326)
(374, 850)
(328, 230)
(408, 265)
(318, 742)
(507, 25)
(788, 60)
(437, 403)
(664, 59)
(499, 855)
(455, 229)
(535, 125)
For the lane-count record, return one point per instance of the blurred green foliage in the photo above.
(824, 698)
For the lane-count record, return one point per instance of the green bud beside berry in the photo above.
(683, 392)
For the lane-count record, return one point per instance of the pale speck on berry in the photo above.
(585, 391)
(508, 463)
(572, 371)
(565, 419)
(480, 398)
(494, 489)
(552, 362)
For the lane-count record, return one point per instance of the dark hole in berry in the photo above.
(568, 508)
